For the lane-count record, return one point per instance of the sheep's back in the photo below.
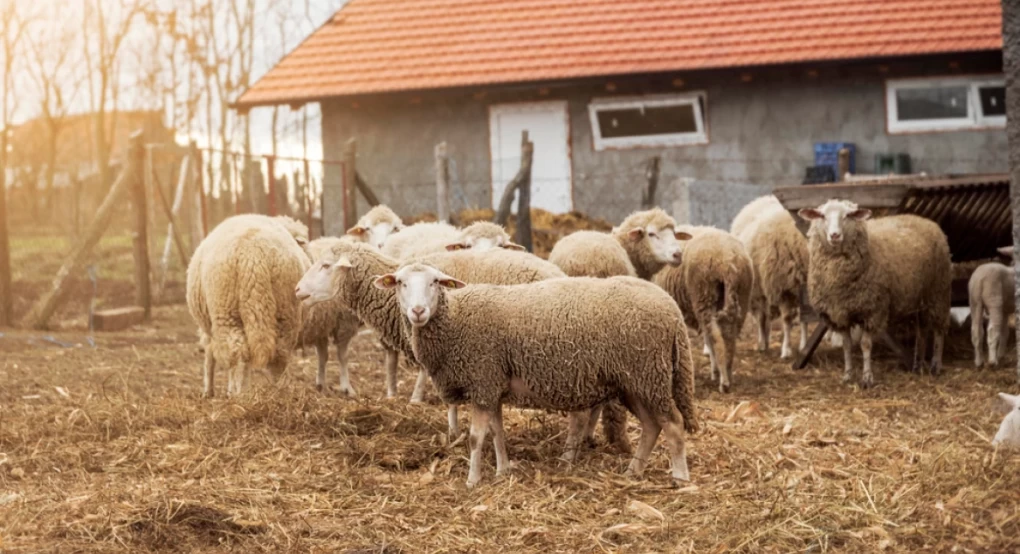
(420, 239)
(779, 253)
(912, 255)
(591, 254)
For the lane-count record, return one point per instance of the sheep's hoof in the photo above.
(208, 395)
(785, 355)
(867, 382)
(319, 388)
(936, 369)
(590, 442)
(471, 483)
(569, 456)
(348, 393)
(724, 388)
(846, 378)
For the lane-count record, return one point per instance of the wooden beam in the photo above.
(524, 198)
(506, 202)
(867, 196)
(143, 289)
(442, 183)
(802, 359)
(651, 183)
(350, 156)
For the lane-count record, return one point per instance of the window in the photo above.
(945, 104)
(648, 121)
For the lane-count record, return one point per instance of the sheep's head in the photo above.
(654, 232)
(317, 284)
(376, 226)
(483, 235)
(418, 288)
(1009, 431)
(835, 221)
(296, 229)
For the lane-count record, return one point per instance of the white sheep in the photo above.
(1008, 435)
(376, 226)
(992, 297)
(484, 235)
(779, 256)
(420, 239)
(870, 273)
(558, 344)
(240, 291)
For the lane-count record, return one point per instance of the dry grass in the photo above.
(111, 449)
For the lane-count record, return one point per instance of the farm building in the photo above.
(724, 92)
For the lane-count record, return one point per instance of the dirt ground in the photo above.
(110, 448)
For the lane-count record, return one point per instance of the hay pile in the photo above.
(112, 449)
(546, 227)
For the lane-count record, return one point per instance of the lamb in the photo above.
(240, 285)
(329, 321)
(558, 344)
(991, 292)
(779, 256)
(1008, 435)
(871, 273)
(640, 246)
(484, 235)
(712, 286)
(376, 226)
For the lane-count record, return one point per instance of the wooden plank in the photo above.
(118, 319)
(866, 196)
(802, 359)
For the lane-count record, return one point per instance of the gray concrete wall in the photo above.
(761, 134)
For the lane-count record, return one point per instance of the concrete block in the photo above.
(118, 319)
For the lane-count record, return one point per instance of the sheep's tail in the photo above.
(728, 297)
(683, 380)
(257, 307)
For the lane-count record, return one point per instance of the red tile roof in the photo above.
(376, 46)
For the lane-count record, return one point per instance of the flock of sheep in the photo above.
(598, 330)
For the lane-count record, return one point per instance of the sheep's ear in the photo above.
(1011, 400)
(682, 235)
(513, 246)
(1005, 251)
(357, 231)
(300, 241)
(456, 246)
(452, 283)
(807, 214)
(344, 263)
(385, 282)
(860, 214)
(636, 234)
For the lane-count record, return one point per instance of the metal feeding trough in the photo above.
(972, 210)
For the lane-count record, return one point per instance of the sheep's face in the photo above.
(1009, 431)
(418, 288)
(834, 220)
(661, 242)
(376, 234)
(317, 284)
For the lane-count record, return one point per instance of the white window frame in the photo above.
(641, 102)
(973, 120)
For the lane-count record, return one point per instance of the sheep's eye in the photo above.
(651, 235)
(326, 265)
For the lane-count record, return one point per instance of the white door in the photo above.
(548, 129)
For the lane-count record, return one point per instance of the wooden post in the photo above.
(442, 183)
(842, 164)
(308, 197)
(200, 226)
(41, 312)
(1011, 63)
(143, 291)
(271, 181)
(652, 184)
(6, 294)
(367, 192)
(505, 203)
(524, 199)
(350, 156)
(173, 231)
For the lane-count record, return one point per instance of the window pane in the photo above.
(993, 100)
(931, 103)
(635, 122)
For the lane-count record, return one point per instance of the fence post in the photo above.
(40, 314)
(6, 294)
(652, 184)
(350, 155)
(201, 226)
(842, 164)
(308, 196)
(442, 183)
(271, 181)
(143, 292)
(505, 203)
(524, 200)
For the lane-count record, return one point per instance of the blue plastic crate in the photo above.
(827, 153)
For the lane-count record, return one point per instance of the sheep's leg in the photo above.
(867, 379)
(1004, 333)
(322, 351)
(920, 347)
(577, 423)
(614, 425)
(499, 441)
(729, 349)
(479, 428)
(673, 432)
(345, 375)
(650, 430)
(803, 334)
(209, 374)
(996, 322)
(763, 330)
(787, 316)
(238, 379)
(593, 420)
(713, 365)
(936, 356)
(977, 337)
(452, 427)
(418, 396)
(391, 373)
(835, 339)
(848, 357)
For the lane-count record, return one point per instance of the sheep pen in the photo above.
(111, 448)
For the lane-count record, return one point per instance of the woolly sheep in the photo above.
(420, 239)
(484, 235)
(240, 285)
(871, 273)
(1008, 435)
(560, 344)
(329, 321)
(712, 286)
(779, 256)
(991, 292)
(376, 226)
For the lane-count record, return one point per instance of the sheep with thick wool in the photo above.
(329, 321)
(421, 239)
(562, 344)
(871, 273)
(240, 292)
(712, 286)
(484, 235)
(991, 294)
(779, 256)
(376, 226)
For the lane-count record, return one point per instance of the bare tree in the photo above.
(1011, 63)
(12, 28)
